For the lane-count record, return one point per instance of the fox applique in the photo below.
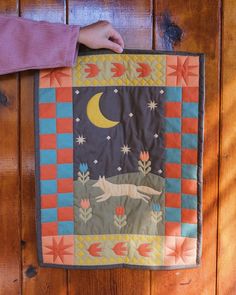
(131, 190)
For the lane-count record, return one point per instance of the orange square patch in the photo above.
(173, 229)
(64, 156)
(65, 213)
(47, 110)
(172, 109)
(172, 200)
(189, 186)
(173, 140)
(48, 172)
(48, 141)
(64, 125)
(49, 228)
(65, 185)
(189, 156)
(188, 216)
(189, 125)
(64, 94)
(172, 170)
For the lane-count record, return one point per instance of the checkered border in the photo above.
(181, 143)
(56, 160)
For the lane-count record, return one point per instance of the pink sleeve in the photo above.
(27, 44)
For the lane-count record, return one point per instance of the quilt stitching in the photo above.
(68, 235)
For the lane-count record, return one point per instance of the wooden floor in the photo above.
(210, 27)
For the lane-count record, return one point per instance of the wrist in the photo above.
(81, 36)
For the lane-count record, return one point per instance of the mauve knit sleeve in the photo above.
(27, 44)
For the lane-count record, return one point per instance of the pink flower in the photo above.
(84, 203)
(144, 156)
(120, 211)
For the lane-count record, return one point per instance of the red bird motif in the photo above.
(120, 249)
(94, 249)
(144, 70)
(118, 69)
(93, 70)
(144, 250)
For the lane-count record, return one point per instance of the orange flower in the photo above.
(84, 203)
(120, 211)
(120, 249)
(144, 156)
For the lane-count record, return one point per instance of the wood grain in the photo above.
(10, 222)
(46, 281)
(227, 203)
(200, 23)
(133, 19)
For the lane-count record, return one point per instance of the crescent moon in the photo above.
(95, 115)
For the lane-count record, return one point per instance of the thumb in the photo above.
(113, 46)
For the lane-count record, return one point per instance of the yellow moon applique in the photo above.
(95, 115)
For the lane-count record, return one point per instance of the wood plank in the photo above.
(36, 280)
(200, 22)
(227, 203)
(10, 223)
(133, 19)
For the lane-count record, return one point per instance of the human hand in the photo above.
(101, 35)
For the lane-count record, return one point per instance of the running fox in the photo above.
(131, 190)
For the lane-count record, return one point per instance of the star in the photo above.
(95, 161)
(159, 171)
(58, 249)
(131, 115)
(108, 137)
(119, 168)
(81, 139)
(116, 90)
(156, 135)
(55, 76)
(182, 71)
(125, 149)
(152, 105)
(162, 91)
(77, 91)
(77, 119)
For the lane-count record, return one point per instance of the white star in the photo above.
(77, 119)
(108, 137)
(159, 171)
(95, 161)
(125, 149)
(156, 135)
(116, 90)
(152, 105)
(162, 91)
(131, 115)
(77, 91)
(119, 168)
(81, 139)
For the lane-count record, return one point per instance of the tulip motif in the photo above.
(83, 174)
(156, 213)
(85, 210)
(120, 217)
(144, 164)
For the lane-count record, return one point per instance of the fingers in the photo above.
(116, 37)
(113, 46)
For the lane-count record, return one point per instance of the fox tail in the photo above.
(148, 190)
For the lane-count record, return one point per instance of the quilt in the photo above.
(119, 142)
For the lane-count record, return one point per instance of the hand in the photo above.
(101, 35)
